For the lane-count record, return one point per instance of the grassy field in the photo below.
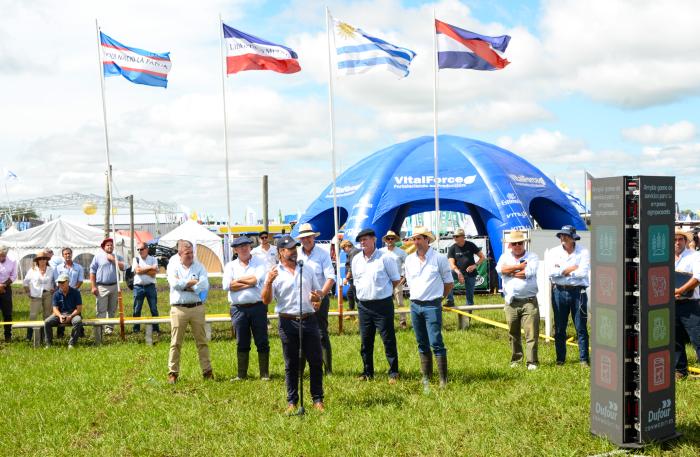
(114, 400)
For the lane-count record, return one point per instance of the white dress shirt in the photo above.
(399, 255)
(373, 276)
(235, 269)
(427, 280)
(319, 262)
(689, 262)
(561, 260)
(179, 275)
(144, 279)
(39, 283)
(285, 289)
(269, 256)
(515, 287)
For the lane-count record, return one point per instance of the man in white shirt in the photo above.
(289, 283)
(319, 261)
(518, 270)
(687, 302)
(243, 279)
(145, 270)
(570, 264)
(266, 251)
(430, 281)
(399, 255)
(187, 279)
(375, 274)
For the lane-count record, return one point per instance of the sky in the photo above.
(611, 87)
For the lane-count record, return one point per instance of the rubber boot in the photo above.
(264, 364)
(442, 369)
(426, 368)
(243, 358)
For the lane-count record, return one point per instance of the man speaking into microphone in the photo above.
(289, 283)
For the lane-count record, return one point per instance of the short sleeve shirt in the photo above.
(66, 304)
(464, 256)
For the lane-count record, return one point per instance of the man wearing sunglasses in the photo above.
(399, 256)
(464, 268)
(265, 250)
(518, 270)
(145, 269)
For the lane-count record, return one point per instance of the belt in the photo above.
(378, 301)
(296, 317)
(106, 283)
(523, 300)
(188, 305)
(247, 305)
(560, 286)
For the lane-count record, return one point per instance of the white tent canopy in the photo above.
(59, 234)
(198, 236)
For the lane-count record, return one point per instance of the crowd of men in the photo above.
(299, 276)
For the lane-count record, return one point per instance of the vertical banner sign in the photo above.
(656, 303)
(607, 308)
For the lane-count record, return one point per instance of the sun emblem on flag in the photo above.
(346, 30)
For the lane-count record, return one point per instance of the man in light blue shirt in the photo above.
(319, 261)
(103, 280)
(243, 278)
(288, 283)
(375, 274)
(518, 270)
(187, 279)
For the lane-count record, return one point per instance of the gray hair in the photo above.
(3, 249)
(183, 244)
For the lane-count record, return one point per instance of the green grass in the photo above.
(114, 400)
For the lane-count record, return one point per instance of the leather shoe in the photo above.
(364, 377)
(318, 405)
(172, 378)
(208, 374)
(291, 408)
(393, 380)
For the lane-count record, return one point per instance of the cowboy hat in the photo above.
(390, 234)
(423, 231)
(688, 236)
(305, 230)
(42, 254)
(515, 236)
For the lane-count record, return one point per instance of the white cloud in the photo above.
(665, 134)
(545, 145)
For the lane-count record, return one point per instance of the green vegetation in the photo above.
(114, 400)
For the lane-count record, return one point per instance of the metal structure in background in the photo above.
(632, 330)
(75, 200)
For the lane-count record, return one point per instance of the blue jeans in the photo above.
(150, 293)
(688, 321)
(378, 315)
(311, 342)
(469, 286)
(247, 320)
(572, 301)
(426, 317)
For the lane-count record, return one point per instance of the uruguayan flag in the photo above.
(358, 52)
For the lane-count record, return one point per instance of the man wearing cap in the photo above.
(687, 301)
(569, 267)
(266, 251)
(103, 281)
(8, 274)
(288, 283)
(350, 253)
(145, 270)
(464, 268)
(518, 270)
(187, 279)
(429, 279)
(399, 256)
(67, 309)
(319, 262)
(376, 274)
(75, 272)
(243, 278)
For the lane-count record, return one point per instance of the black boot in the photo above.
(442, 369)
(243, 358)
(327, 362)
(264, 364)
(426, 366)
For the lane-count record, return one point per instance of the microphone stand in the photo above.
(300, 370)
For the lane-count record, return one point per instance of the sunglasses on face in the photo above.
(143, 249)
(517, 243)
(263, 237)
(391, 238)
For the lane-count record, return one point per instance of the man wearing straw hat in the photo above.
(430, 281)
(687, 301)
(464, 268)
(350, 252)
(518, 270)
(399, 256)
(103, 281)
(319, 261)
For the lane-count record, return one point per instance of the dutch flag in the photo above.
(459, 48)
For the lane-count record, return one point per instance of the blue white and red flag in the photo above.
(459, 48)
(136, 65)
(248, 52)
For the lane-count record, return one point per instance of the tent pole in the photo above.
(435, 133)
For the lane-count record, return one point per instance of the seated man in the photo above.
(67, 306)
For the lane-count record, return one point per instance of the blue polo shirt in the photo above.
(66, 304)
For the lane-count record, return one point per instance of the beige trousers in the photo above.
(40, 308)
(179, 318)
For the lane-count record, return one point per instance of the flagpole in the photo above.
(223, 94)
(109, 177)
(331, 109)
(435, 133)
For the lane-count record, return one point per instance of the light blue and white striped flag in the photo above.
(358, 52)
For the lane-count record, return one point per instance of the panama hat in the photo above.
(423, 231)
(42, 254)
(458, 232)
(515, 236)
(390, 234)
(305, 230)
(688, 236)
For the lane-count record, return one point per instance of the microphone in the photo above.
(300, 263)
